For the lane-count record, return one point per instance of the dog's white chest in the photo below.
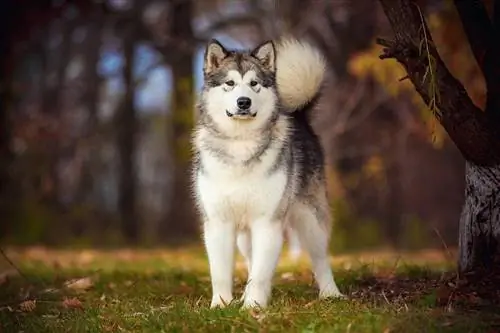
(240, 194)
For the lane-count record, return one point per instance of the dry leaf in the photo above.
(288, 276)
(308, 305)
(4, 276)
(72, 303)
(79, 284)
(257, 314)
(28, 306)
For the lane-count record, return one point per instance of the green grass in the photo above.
(169, 291)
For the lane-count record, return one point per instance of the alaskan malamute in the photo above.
(258, 165)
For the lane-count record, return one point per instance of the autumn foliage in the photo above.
(451, 42)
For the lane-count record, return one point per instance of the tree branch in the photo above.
(467, 126)
(484, 41)
(477, 27)
(496, 17)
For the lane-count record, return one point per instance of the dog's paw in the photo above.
(331, 294)
(254, 298)
(220, 302)
(251, 304)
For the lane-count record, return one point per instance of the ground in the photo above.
(168, 291)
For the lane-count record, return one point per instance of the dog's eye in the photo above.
(253, 83)
(230, 83)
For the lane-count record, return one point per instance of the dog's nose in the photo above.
(244, 103)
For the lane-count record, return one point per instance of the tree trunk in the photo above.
(475, 132)
(52, 106)
(91, 101)
(6, 155)
(181, 218)
(479, 241)
(127, 134)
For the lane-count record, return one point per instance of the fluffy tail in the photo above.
(300, 70)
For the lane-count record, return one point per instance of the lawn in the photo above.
(168, 291)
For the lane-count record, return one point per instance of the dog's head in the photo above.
(239, 91)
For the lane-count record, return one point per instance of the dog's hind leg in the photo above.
(312, 228)
(294, 247)
(244, 243)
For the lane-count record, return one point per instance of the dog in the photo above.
(258, 166)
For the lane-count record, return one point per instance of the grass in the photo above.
(169, 291)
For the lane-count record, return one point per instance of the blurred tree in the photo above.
(17, 20)
(343, 29)
(8, 17)
(90, 97)
(53, 95)
(476, 133)
(181, 218)
(127, 132)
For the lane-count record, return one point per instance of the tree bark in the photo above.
(475, 132)
(127, 134)
(479, 241)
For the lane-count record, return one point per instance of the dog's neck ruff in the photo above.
(231, 149)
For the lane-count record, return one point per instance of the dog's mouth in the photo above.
(241, 114)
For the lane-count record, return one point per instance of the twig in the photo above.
(448, 253)
(450, 257)
(396, 263)
(434, 91)
(385, 297)
(2, 252)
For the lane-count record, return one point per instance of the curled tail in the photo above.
(300, 71)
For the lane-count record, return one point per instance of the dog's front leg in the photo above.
(220, 244)
(267, 241)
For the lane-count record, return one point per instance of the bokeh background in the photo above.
(96, 137)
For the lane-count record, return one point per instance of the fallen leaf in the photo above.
(28, 306)
(257, 315)
(79, 285)
(4, 276)
(443, 295)
(183, 289)
(308, 305)
(288, 276)
(72, 303)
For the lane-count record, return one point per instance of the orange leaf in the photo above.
(72, 303)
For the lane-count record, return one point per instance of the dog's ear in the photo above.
(266, 54)
(214, 54)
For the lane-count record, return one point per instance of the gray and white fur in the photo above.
(259, 166)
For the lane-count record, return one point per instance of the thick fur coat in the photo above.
(259, 165)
